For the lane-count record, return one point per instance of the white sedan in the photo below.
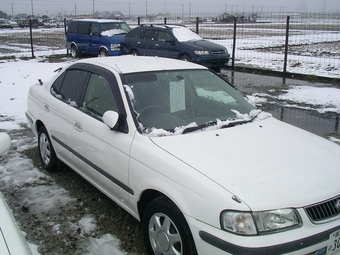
(189, 156)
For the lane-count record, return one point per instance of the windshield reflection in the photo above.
(170, 100)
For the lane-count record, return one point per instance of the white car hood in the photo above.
(268, 164)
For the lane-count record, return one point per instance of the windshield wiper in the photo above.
(211, 123)
(191, 129)
(240, 122)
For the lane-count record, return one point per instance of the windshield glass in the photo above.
(171, 99)
(184, 34)
(114, 28)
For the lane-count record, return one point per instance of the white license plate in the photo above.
(333, 242)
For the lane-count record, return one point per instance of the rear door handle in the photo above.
(46, 107)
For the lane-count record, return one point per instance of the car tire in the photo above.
(46, 152)
(74, 52)
(166, 230)
(103, 53)
(185, 57)
(134, 52)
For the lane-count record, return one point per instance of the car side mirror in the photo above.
(171, 41)
(5, 142)
(110, 118)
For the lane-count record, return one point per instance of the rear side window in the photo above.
(72, 28)
(69, 86)
(149, 35)
(84, 28)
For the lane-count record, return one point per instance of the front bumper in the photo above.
(212, 61)
(308, 239)
(320, 238)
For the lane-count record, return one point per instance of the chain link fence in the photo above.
(300, 43)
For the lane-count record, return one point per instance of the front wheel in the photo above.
(185, 57)
(103, 53)
(165, 229)
(134, 53)
(46, 152)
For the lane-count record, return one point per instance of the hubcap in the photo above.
(45, 149)
(164, 236)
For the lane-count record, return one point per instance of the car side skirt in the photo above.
(95, 167)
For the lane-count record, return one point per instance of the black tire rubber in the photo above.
(74, 52)
(185, 58)
(46, 152)
(162, 220)
(103, 53)
(134, 53)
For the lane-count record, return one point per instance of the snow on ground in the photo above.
(15, 79)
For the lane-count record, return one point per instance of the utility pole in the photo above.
(146, 10)
(75, 10)
(32, 7)
(93, 8)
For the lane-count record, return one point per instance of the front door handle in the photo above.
(78, 126)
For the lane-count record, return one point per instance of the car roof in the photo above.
(98, 20)
(132, 64)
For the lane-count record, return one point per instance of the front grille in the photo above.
(324, 211)
(218, 52)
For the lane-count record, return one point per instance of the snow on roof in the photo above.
(132, 64)
(99, 20)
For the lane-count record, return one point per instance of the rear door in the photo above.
(60, 107)
(82, 38)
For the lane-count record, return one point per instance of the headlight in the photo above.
(115, 46)
(202, 52)
(253, 223)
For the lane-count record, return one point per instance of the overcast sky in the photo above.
(127, 7)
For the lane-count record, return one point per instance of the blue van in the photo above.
(96, 37)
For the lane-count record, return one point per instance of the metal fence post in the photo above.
(138, 21)
(234, 45)
(165, 21)
(31, 38)
(197, 32)
(286, 48)
(65, 28)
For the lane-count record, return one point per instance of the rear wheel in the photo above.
(165, 229)
(74, 52)
(103, 53)
(46, 152)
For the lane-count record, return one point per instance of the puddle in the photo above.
(320, 124)
(326, 124)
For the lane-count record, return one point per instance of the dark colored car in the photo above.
(178, 42)
(96, 37)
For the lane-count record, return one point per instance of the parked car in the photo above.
(178, 42)
(11, 239)
(189, 156)
(103, 37)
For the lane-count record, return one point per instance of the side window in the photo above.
(99, 97)
(148, 35)
(72, 28)
(69, 86)
(84, 28)
(163, 36)
(94, 29)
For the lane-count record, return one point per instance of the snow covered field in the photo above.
(40, 192)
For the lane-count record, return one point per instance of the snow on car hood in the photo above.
(268, 164)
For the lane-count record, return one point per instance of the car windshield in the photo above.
(192, 99)
(114, 28)
(184, 34)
